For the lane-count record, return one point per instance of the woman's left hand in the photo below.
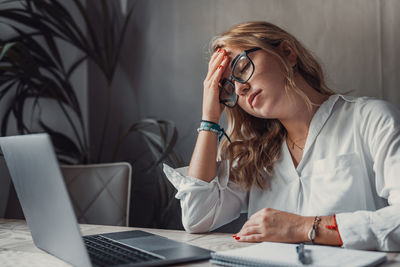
(274, 225)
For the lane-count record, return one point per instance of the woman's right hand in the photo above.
(212, 109)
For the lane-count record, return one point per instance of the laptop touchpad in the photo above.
(151, 243)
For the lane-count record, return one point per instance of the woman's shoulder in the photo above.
(372, 109)
(367, 105)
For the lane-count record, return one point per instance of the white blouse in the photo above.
(350, 167)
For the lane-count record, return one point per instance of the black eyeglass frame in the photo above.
(232, 77)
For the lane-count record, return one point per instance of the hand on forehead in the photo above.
(232, 53)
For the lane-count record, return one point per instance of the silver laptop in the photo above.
(45, 202)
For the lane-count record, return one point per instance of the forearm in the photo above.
(273, 225)
(324, 235)
(203, 163)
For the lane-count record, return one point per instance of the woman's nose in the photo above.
(241, 88)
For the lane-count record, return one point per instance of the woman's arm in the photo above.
(203, 162)
(380, 132)
(208, 199)
(207, 205)
(278, 226)
(372, 230)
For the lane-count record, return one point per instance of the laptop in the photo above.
(41, 190)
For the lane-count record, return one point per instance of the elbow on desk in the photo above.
(193, 227)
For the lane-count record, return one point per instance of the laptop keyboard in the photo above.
(105, 252)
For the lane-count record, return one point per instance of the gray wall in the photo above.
(165, 57)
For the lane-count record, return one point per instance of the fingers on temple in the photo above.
(216, 77)
(215, 63)
(220, 69)
(216, 54)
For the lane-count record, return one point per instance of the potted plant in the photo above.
(32, 71)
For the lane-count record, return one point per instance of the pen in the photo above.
(300, 253)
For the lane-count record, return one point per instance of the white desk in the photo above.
(16, 244)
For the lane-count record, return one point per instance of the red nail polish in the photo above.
(237, 238)
(218, 50)
(233, 235)
(220, 67)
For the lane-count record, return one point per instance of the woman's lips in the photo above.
(252, 98)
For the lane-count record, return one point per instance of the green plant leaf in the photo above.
(158, 143)
(59, 19)
(57, 90)
(96, 51)
(18, 110)
(75, 65)
(121, 39)
(4, 120)
(6, 88)
(5, 48)
(62, 143)
(35, 71)
(22, 16)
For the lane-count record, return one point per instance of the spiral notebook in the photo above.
(282, 254)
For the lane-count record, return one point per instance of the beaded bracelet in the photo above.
(213, 127)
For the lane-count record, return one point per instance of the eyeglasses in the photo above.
(242, 70)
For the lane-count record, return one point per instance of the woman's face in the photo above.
(263, 95)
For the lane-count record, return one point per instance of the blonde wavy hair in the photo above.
(256, 143)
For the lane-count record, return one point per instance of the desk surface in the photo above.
(16, 243)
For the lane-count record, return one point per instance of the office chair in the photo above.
(100, 193)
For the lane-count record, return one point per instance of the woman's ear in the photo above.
(287, 50)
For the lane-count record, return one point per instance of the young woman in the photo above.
(304, 163)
